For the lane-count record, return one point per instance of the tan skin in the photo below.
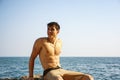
(48, 49)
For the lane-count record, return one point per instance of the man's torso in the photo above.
(49, 53)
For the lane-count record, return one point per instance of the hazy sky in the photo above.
(88, 27)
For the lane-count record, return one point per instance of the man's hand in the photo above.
(30, 78)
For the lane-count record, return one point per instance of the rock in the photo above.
(40, 77)
(36, 77)
(9, 79)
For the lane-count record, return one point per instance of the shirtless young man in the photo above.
(49, 49)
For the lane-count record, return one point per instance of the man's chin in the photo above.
(51, 37)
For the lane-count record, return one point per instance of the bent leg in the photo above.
(72, 75)
(61, 74)
(57, 77)
(77, 77)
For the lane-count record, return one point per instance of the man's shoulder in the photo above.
(41, 39)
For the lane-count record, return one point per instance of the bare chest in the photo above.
(52, 49)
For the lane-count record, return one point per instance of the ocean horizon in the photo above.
(101, 68)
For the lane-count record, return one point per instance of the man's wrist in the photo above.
(31, 76)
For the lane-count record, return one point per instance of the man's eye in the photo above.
(52, 29)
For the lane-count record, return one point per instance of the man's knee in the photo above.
(58, 77)
(88, 77)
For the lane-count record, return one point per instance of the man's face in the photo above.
(52, 32)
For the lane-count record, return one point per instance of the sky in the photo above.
(89, 28)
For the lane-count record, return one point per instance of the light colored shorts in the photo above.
(61, 74)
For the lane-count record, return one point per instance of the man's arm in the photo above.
(35, 51)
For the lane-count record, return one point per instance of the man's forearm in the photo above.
(31, 67)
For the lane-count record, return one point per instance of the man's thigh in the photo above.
(61, 74)
(73, 75)
(53, 75)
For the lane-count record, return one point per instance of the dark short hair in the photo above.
(57, 26)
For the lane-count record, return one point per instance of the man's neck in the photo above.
(52, 40)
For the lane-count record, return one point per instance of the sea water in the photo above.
(101, 68)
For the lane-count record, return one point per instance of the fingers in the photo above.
(30, 78)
